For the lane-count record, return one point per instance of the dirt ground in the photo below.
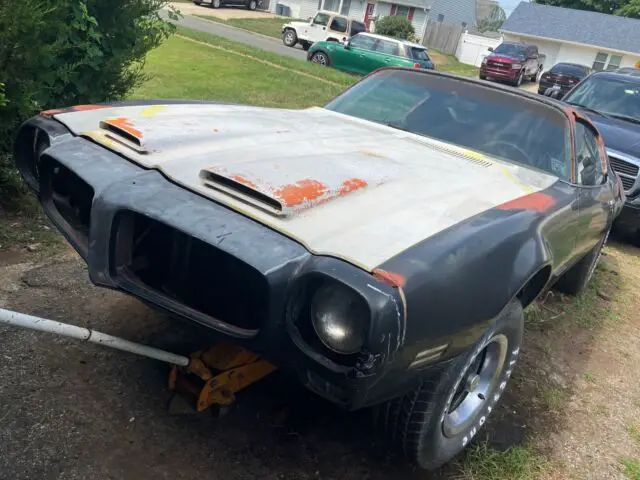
(75, 411)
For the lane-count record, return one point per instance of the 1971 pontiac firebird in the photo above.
(381, 248)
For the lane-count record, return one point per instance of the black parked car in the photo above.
(563, 75)
(250, 4)
(612, 101)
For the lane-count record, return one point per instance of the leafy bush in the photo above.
(397, 27)
(55, 54)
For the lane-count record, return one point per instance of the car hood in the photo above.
(618, 134)
(339, 185)
(498, 57)
(297, 24)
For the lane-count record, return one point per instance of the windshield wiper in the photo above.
(625, 118)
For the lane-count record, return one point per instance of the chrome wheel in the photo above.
(289, 38)
(252, 5)
(216, 3)
(477, 386)
(320, 58)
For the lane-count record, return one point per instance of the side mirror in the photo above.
(346, 44)
(490, 49)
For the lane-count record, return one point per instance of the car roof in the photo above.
(334, 14)
(397, 40)
(572, 64)
(522, 44)
(628, 77)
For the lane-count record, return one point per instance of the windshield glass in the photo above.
(608, 95)
(470, 115)
(510, 49)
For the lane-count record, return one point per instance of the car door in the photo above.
(596, 195)
(385, 54)
(356, 56)
(317, 29)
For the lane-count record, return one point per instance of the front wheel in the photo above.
(439, 418)
(215, 4)
(252, 5)
(320, 58)
(289, 37)
(519, 79)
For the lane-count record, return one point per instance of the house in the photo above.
(417, 11)
(597, 40)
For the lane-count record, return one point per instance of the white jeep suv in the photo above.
(324, 26)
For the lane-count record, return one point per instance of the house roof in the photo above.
(579, 26)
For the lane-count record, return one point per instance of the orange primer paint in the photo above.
(52, 112)
(243, 181)
(538, 201)
(351, 185)
(300, 192)
(126, 125)
(390, 278)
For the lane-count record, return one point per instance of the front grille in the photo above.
(499, 66)
(188, 272)
(620, 166)
(627, 182)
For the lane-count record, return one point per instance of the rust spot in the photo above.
(215, 130)
(390, 278)
(125, 125)
(84, 108)
(301, 192)
(351, 185)
(52, 112)
(243, 181)
(371, 154)
(538, 201)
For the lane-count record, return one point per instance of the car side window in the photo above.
(588, 159)
(321, 19)
(339, 24)
(362, 42)
(388, 47)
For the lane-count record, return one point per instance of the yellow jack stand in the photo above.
(214, 376)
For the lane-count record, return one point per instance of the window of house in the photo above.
(588, 159)
(464, 24)
(344, 8)
(440, 17)
(402, 11)
(604, 61)
(339, 24)
(331, 5)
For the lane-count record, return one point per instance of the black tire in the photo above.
(482, 77)
(252, 5)
(576, 279)
(416, 424)
(321, 58)
(196, 2)
(305, 46)
(289, 37)
(215, 3)
(518, 81)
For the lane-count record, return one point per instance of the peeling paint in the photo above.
(350, 185)
(243, 181)
(302, 192)
(75, 108)
(125, 125)
(538, 201)
(391, 278)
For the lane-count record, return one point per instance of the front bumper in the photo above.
(509, 75)
(115, 198)
(629, 218)
(543, 86)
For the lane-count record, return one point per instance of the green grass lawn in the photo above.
(184, 69)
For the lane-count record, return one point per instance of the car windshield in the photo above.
(500, 124)
(614, 97)
(420, 54)
(510, 49)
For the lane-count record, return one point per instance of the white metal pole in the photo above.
(72, 331)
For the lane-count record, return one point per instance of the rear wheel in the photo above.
(215, 4)
(320, 58)
(252, 5)
(440, 417)
(577, 278)
(289, 37)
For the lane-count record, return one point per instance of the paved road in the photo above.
(259, 41)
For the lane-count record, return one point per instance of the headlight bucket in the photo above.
(340, 318)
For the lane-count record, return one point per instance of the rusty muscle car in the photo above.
(380, 249)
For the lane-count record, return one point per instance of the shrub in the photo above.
(397, 27)
(54, 54)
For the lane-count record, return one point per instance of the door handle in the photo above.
(362, 55)
(324, 28)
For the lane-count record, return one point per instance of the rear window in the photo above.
(566, 69)
(499, 124)
(420, 54)
(339, 24)
(357, 27)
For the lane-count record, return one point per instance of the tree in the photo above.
(494, 21)
(397, 27)
(623, 8)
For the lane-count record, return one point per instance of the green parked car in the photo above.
(365, 52)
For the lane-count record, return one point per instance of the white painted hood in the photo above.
(341, 186)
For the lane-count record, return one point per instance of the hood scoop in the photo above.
(123, 131)
(280, 191)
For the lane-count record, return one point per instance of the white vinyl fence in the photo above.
(473, 48)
